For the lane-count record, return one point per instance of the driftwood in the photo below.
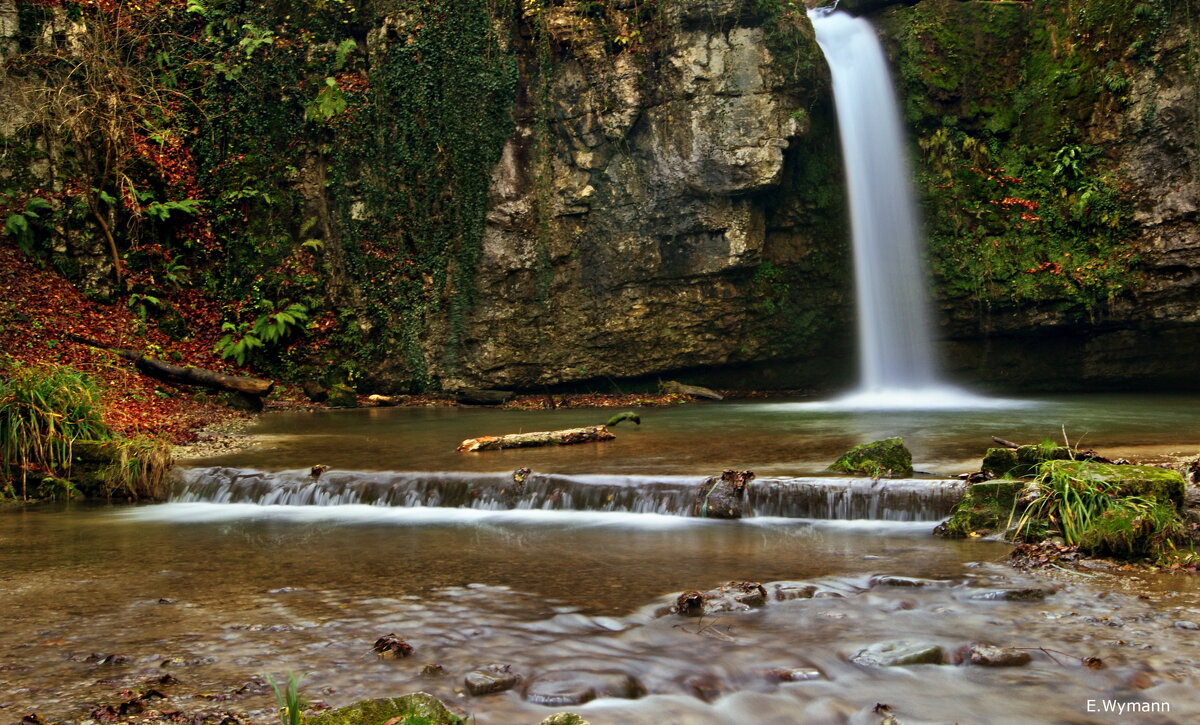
(570, 436)
(693, 390)
(1005, 443)
(175, 375)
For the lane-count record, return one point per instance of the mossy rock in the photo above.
(984, 509)
(342, 396)
(888, 457)
(419, 708)
(1023, 461)
(1150, 482)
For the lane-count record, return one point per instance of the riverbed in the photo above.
(100, 599)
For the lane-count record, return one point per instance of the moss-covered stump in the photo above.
(985, 508)
(1022, 461)
(418, 708)
(888, 457)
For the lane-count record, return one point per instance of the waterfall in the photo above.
(896, 350)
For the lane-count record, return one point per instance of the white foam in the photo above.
(401, 515)
(941, 397)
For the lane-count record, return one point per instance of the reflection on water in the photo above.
(794, 438)
(222, 592)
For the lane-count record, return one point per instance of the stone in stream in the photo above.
(786, 591)
(417, 707)
(575, 687)
(722, 497)
(491, 678)
(792, 674)
(391, 647)
(1029, 594)
(899, 653)
(986, 655)
(886, 458)
(732, 597)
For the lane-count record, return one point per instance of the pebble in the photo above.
(1185, 624)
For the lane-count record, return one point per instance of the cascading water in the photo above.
(898, 368)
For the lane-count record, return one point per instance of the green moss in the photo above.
(1023, 461)
(999, 94)
(888, 457)
(1124, 511)
(1151, 482)
(416, 709)
(985, 508)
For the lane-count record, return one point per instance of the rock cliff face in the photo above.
(1122, 82)
(691, 213)
(651, 227)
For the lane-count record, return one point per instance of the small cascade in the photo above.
(802, 498)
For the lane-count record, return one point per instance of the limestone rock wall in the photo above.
(637, 243)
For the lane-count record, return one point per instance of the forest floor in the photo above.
(40, 311)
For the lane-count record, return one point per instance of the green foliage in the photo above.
(287, 699)
(272, 328)
(21, 226)
(410, 172)
(44, 410)
(1022, 207)
(330, 101)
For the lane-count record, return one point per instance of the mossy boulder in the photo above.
(985, 508)
(342, 396)
(419, 708)
(1022, 461)
(888, 457)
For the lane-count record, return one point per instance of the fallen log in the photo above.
(694, 391)
(567, 437)
(176, 375)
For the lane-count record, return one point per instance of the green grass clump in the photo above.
(1125, 511)
(43, 411)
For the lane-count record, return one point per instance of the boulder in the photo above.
(342, 396)
(886, 458)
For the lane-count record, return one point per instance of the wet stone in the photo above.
(787, 592)
(1185, 624)
(391, 647)
(732, 597)
(575, 687)
(1031, 594)
(793, 674)
(899, 654)
(986, 655)
(490, 679)
(904, 581)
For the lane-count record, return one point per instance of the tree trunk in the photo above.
(168, 373)
(570, 436)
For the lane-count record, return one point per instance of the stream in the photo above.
(256, 568)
